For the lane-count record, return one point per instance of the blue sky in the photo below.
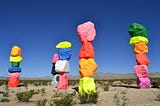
(38, 25)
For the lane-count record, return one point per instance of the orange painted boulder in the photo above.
(16, 51)
(87, 67)
(13, 82)
(140, 48)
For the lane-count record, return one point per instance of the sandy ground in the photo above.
(134, 96)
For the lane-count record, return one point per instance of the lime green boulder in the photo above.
(138, 39)
(86, 85)
(136, 29)
(64, 44)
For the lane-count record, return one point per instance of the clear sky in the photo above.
(38, 25)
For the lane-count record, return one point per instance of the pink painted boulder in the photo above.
(14, 75)
(86, 32)
(63, 81)
(55, 58)
(143, 83)
(141, 71)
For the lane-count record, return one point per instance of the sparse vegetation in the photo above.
(66, 100)
(25, 84)
(42, 102)
(43, 91)
(6, 93)
(25, 96)
(106, 86)
(4, 99)
(88, 98)
(60, 97)
(57, 94)
(157, 96)
(120, 100)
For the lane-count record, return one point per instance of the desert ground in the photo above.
(117, 95)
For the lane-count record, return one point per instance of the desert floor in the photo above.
(130, 95)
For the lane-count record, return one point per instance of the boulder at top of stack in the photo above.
(136, 29)
(16, 51)
(64, 44)
(86, 32)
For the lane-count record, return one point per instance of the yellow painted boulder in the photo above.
(86, 85)
(15, 59)
(64, 44)
(138, 39)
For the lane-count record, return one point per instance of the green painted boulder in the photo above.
(136, 29)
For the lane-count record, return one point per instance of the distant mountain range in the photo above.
(97, 76)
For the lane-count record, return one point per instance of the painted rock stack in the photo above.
(139, 38)
(87, 64)
(14, 70)
(61, 65)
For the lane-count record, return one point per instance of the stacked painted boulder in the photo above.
(61, 65)
(14, 70)
(87, 64)
(139, 38)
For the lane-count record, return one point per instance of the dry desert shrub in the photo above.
(42, 102)
(88, 98)
(66, 100)
(120, 99)
(25, 96)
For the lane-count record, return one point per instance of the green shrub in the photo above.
(66, 100)
(106, 86)
(42, 102)
(120, 100)
(36, 84)
(57, 94)
(25, 84)
(157, 96)
(88, 98)
(4, 100)
(43, 91)
(1, 83)
(25, 96)
(5, 94)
